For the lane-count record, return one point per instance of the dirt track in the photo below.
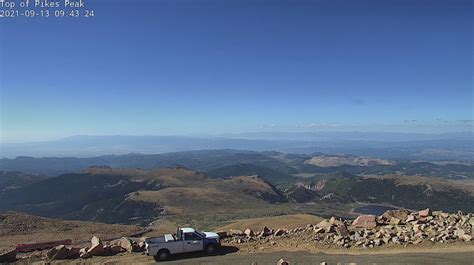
(232, 255)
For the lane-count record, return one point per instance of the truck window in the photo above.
(191, 237)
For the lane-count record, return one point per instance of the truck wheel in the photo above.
(162, 255)
(211, 249)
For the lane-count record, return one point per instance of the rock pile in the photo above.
(97, 248)
(397, 227)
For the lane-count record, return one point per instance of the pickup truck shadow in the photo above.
(223, 250)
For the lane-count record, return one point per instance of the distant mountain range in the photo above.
(351, 136)
(272, 166)
(449, 146)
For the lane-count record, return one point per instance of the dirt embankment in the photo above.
(17, 228)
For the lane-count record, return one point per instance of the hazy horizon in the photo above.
(282, 135)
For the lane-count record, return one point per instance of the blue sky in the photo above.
(210, 67)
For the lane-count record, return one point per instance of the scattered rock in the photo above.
(283, 262)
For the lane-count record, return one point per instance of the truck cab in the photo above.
(185, 240)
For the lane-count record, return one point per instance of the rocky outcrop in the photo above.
(397, 227)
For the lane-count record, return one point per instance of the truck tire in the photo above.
(211, 249)
(162, 255)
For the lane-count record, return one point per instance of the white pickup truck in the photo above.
(185, 240)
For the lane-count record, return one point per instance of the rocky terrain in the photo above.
(393, 228)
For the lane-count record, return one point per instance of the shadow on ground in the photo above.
(223, 250)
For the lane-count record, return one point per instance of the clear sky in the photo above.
(220, 66)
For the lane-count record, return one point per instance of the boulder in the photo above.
(279, 232)
(141, 244)
(466, 237)
(342, 230)
(126, 244)
(418, 241)
(459, 233)
(8, 256)
(282, 262)
(58, 253)
(424, 213)
(334, 221)
(73, 253)
(386, 239)
(265, 231)
(410, 218)
(233, 232)
(115, 249)
(222, 234)
(402, 215)
(318, 230)
(84, 254)
(395, 221)
(365, 221)
(326, 225)
(377, 242)
(249, 232)
(97, 247)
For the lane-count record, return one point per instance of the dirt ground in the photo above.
(449, 255)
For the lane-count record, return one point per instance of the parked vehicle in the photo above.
(185, 240)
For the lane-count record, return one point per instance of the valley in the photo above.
(217, 190)
(210, 187)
